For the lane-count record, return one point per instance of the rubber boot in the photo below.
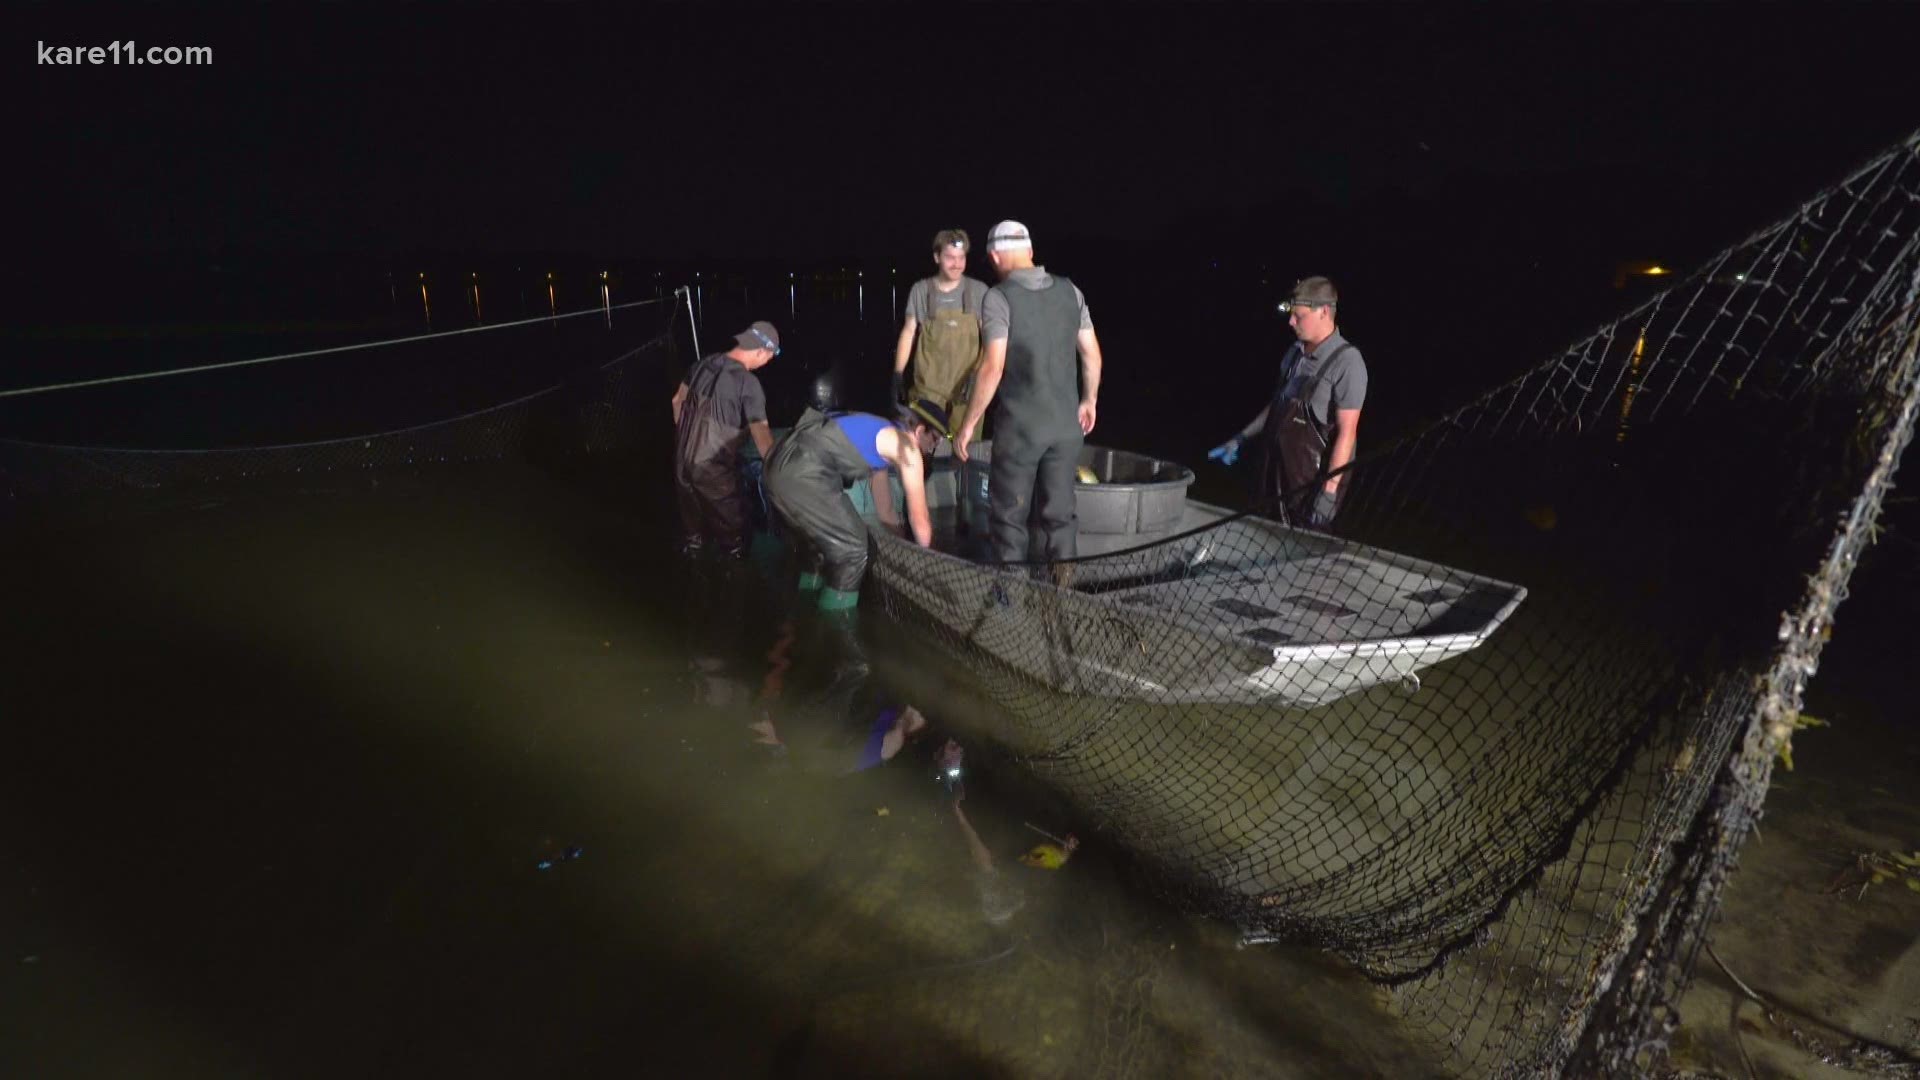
(839, 599)
(840, 634)
(811, 581)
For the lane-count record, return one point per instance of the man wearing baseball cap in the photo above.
(1310, 430)
(827, 453)
(718, 407)
(1033, 326)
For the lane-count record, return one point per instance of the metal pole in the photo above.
(687, 294)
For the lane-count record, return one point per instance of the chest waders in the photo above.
(1036, 418)
(706, 455)
(944, 356)
(1296, 445)
(807, 481)
(807, 478)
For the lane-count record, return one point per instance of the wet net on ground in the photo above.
(1497, 740)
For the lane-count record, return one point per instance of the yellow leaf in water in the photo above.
(882, 812)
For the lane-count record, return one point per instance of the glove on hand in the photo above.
(900, 388)
(1324, 504)
(1227, 452)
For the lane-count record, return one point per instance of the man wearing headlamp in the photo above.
(1310, 428)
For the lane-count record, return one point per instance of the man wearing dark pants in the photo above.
(1310, 430)
(807, 479)
(811, 469)
(718, 407)
(1033, 326)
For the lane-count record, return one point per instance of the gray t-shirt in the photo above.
(994, 317)
(924, 299)
(738, 399)
(1342, 385)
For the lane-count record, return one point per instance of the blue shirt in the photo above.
(863, 431)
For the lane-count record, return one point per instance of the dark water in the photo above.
(280, 772)
(1190, 343)
(281, 768)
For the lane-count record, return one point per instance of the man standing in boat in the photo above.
(1311, 426)
(941, 331)
(718, 407)
(1043, 405)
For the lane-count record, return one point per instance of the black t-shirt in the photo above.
(738, 399)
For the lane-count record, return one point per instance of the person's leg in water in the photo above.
(1000, 897)
(731, 518)
(692, 517)
(838, 531)
(840, 638)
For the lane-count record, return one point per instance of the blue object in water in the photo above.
(573, 852)
(872, 753)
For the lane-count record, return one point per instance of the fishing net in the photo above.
(576, 384)
(1496, 740)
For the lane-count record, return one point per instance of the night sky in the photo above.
(823, 132)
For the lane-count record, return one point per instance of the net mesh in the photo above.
(1497, 740)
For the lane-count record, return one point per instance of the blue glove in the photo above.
(1324, 506)
(1227, 452)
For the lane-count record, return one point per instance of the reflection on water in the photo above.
(1632, 388)
(284, 773)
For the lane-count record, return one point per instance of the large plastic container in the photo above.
(1134, 493)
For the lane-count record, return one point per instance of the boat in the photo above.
(1178, 601)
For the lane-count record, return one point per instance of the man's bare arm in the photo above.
(913, 482)
(903, 348)
(762, 438)
(679, 399)
(1258, 425)
(1089, 379)
(1089, 366)
(986, 383)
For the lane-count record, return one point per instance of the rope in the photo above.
(84, 383)
(1864, 1055)
(337, 441)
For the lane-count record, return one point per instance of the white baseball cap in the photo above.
(1009, 236)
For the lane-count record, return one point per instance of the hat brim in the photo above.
(920, 410)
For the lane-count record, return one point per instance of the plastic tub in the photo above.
(1134, 493)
